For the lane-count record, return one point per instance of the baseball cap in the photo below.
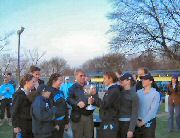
(175, 76)
(147, 77)
(44, 88)
(126, 76)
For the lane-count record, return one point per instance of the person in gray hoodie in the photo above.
(128, 111)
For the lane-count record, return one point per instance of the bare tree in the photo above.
(35, 56)
(112, 61)
(165, 63)
(54, 65)
(146, 24)
(5, 63)
(68, 71)
(147, 59)
(4, 40)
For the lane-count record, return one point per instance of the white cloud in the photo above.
(77, 47)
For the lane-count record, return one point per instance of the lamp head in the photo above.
(20, 31)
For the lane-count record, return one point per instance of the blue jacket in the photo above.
(65, 88)
(60, 104)
(6, 93)
(42, 116)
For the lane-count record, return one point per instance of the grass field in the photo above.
(162, 121)
(161, 131)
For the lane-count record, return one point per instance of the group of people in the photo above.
(128, 108)
(39, 110)
(124, 112)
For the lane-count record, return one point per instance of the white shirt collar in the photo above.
(25, 91)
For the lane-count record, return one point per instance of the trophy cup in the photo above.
(87, 90)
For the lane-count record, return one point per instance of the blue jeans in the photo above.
(171, 116)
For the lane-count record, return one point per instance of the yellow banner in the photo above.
(155, 78)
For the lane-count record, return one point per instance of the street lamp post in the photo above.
(19, 32)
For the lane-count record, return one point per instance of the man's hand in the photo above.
(90, 100)
(129, 134)
(140, 123)
(66, 127)
(56, 127)
(17, 130)
(81, 104)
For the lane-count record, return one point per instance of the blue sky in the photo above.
(71, 29)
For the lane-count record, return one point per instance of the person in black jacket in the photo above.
(82, 119)
(128, 112)
(21, 118)
(109, 107)
(57, 96)
(43, 113)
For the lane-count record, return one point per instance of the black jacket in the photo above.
(109, 105)
(76, 94)
(59, 102)
(21, 110)
(42, 116)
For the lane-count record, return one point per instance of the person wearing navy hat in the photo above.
(42, 114)
(128, 111)
(142, 71)
(149, 101)
(174, 104)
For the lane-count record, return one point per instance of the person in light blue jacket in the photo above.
(6, 93)
(149, 101)
(65, 87)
